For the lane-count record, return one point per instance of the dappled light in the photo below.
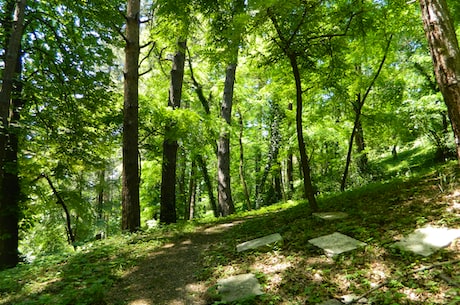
(301, 152)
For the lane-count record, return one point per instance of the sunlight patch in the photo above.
(427, 240)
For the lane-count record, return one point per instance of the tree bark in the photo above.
(170, 146)
(10, 92)
(445, 53)
(223, 148)
(305, 164)
(131, 219)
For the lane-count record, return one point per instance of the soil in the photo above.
(167, 276)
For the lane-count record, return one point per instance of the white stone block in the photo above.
(259, 242)
(239, 287)
(336, 243)
(331, 215)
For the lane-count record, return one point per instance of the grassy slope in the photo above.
(293, 273)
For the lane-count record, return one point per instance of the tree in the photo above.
(445, 53)
(130, 188)
(357, 107)
(234, 30)
(170, 145)
(9, 196)
(288, 47)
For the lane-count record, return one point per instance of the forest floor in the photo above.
(185, 270)
(168, 275)
(181, 264)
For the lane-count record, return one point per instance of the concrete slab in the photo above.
(336, 243)
(425, 241)
(331, 215)
(259, 242)
(239, 287)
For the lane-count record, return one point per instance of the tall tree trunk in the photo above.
(131, 219)
(445, 53)
(241, 168)
(170, 146)
(10, 92)
(223, 148)
(307, 183)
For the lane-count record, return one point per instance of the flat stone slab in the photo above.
(425, 241)
(259, 242)
(331, 215)
(239, 287)
(336, 243)
(331, 302)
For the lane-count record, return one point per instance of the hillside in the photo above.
(181, 264)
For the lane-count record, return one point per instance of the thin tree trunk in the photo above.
(361, 147)
(191, 200)
(208, 182)
(290, 167)
(170, 146)
(60, 201)
(241, 168)
(100, 196)
(199, 157)
(350, 143)
(307, 183)
(273, 150)
(445, 53)
(358, 108)
(131, 220)
(223, 149)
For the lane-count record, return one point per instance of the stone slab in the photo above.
(427, 240)
(336, 243)
(331, 215)
(331, 302)
(259, 242)
(239, 287)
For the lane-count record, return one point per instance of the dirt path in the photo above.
(167, 276)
